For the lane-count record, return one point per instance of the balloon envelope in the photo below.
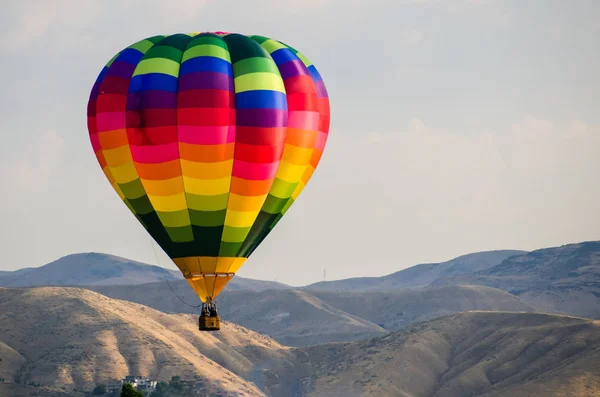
(208, 139)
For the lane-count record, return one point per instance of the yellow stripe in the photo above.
(124, 173)
(296, 155)
(235, 266)
(166, 187)
(245, 203)
(290, 172)
(259, 81)
(118, 156)
(168, 203)
(240, 218)
(206, 170)
(207, 187)
(298, 190)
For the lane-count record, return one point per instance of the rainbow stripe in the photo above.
(209, 139)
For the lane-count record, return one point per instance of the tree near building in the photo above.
(129, 391)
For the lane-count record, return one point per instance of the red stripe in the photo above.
(206, 116)
(261, 135)
(152, 136)
(205, 98)
(303, 101)
(296, 84)
(114, 85)
(257, 154)
(111, 103)
(158, 117)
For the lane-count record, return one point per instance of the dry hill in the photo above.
(479, 354)
(75, 338)
(66, 338)
(290, 316)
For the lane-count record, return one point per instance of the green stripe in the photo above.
(252, 65)
(282, 189)
(242, 47)
(205, 50)
(207, 39)
(272, 46)
(207, 218)
(142, 205)
(207, 203)
(133, 189)
(180, 234)
(229, 249)
(174, 219)
(179, 41)
(157, 65)
(259, 81)
(273, 205)
(142, 46)
(166, 52)
(234, 234)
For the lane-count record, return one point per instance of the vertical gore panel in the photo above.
(261, 121)
(206, 130)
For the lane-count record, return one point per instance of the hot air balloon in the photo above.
(208, 138)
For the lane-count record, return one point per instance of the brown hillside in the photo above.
(77, 338)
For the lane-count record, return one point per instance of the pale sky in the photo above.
(457, 126)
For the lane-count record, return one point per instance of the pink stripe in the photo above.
(254, 171)
(321, 140)
(109, 121)
(155, 154)
(303, 120)
(95, 140)
(206, 135)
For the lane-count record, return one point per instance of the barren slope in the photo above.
(290, 316)
(77, 338)
(479, 354)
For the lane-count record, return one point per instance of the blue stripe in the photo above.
(206, 64)
(261, 99)
(283, 55)
(130, 55)
(153, 81)
(314, 73)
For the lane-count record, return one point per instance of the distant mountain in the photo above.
(562, 279)
(420, 275)
(300, 318)
(70, 338)
(95, 269)
(395, 310)
(88, 269)
(289, 316)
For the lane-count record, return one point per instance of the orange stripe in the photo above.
(301, 138)
(244, 187)
(159, 171)
(113, 139)
(206, 153)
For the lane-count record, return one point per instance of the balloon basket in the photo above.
(209, 323)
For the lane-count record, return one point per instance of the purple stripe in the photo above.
(153, 99)
(121, 69)
(205, 80)
(261, 117)
(321, 90)
(292, 69)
